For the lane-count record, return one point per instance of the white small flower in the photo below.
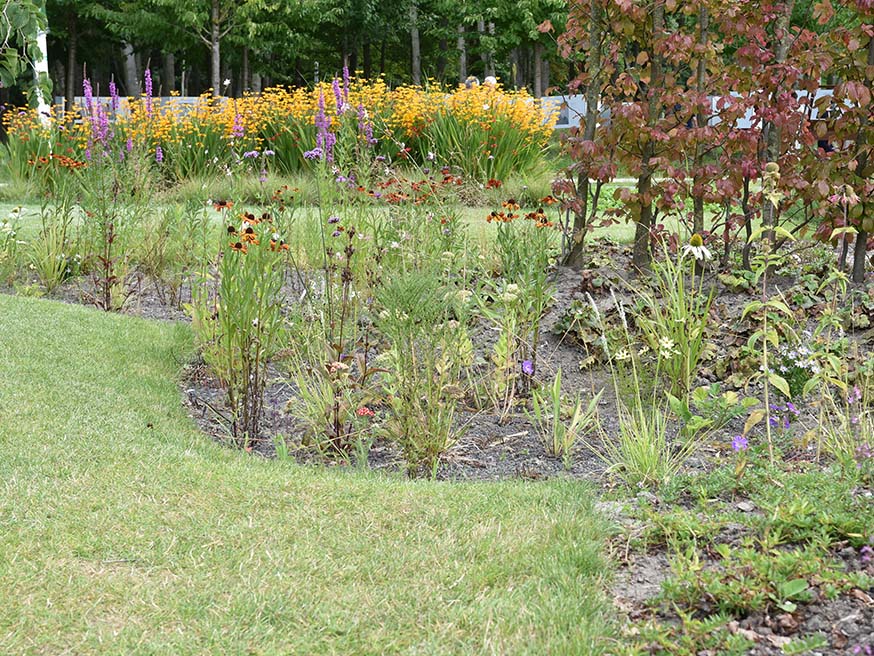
(666, 347)
(227, 82)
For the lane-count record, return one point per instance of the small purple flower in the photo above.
(268, 153)
(867, 553)
(790, 407)
(528, 367)
(380, 158)
(129, 144)
(315, 153)
(159, 154)
(346, 83)
(336, 233)
(333, 219)
(739, 443)
(262, 178)
(250, 154)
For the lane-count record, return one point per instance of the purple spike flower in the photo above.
(338, 95)
(346, 84)
(238, 131)
(159, 154)
(113, 94)
(148, 77)
(89, 97)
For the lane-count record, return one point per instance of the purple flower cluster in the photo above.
(237, 130)
(528, 367)
(325, 139)
(148, 80)
(159, 154)
(113, 95)
(365, 127)
(315, 153)
(251, 154)
(782, 416)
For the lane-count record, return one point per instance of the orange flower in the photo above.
(248, 217)
(250, 236)
(510, 204)
(239, 246)
(220, 205)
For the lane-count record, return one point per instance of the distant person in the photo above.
(471, 82)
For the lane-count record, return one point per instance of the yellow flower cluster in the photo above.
(404, 112)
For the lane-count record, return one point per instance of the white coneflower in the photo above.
(697, 248)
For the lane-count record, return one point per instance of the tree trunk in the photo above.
(415, 45)
(131, 74)
(367, 59)
(642, 256)
(593, 96)
(443, 50)
(70, 77)
(256, 83)
(462, 55)
(863, 169)
(168, 81)
(544, 76)
(245, 71)
(773, 136)
(382, 57)
(538, 70)
(490, 54)
(701, 123)
(215, 50)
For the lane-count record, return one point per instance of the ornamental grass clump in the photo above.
(425, 325)
(237, 320)
(650, 448)
(673, 315)
(559, 422)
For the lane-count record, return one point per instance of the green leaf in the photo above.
(793, 588)
(780, 383)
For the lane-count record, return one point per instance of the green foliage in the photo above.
(238, 323)
(561, 423)
(429, 347)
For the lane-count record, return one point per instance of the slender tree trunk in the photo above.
(382, 57)
(245, 71)
(642, 256)
(773, 136)
(701, 123)
(593, 97)
(490, 53)
(863, 169)
(169, 78)
(70, 73)
(131, 74)
(367, 59)
(443, 50)
(415, 45)
(215, 49)
(462, 55)
(538, 70)
(544, 76)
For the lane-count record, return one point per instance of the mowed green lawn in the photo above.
(124, 531)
